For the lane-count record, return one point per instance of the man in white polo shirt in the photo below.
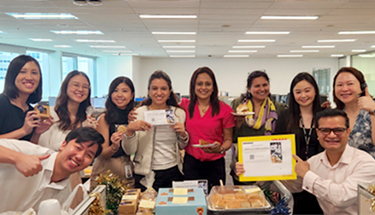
(20, 193)
(332, 175)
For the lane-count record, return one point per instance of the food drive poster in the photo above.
(267, 158)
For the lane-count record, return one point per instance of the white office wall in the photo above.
(231, 74)
(108, 68)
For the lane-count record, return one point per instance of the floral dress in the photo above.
(360, 136)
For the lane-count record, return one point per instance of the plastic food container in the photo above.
(244, 199)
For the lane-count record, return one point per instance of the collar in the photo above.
(48, 166)
(345, 158)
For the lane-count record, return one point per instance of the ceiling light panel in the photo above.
(180, 51)
(176, 41)
(291, 17)
(248, 47)
(242, 51)
(94, 41)
(337, 55)
(41, 40)
(78, 32)
(303, 51)
(318, 47)
(174, 33)
(267, 32)
(145, 16)
(336, 41)
(62, 46)
(181, 56)
(256, 41)
(236, 56)
(42, 15)
(359, 50)
(108, 47)
(357, 32)
(179, 47)
(285, 55)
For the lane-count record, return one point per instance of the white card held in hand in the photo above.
(159, 117)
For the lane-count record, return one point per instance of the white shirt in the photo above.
(54, 136)
(336, 186)
(20, 193)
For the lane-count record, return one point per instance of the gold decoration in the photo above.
(371, 189)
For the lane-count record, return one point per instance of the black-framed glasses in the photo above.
(337, 131)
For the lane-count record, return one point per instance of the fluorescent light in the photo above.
(236, 55)
(358, 50)
(256, 41)
(77, 32)
(62, 46)
(182, 56)
(242, 51)
(42, 15)
(125, 54)
(174, 33)
(267, 32)
(318, 47)
(2, 32)
(248, 47)
(337, 55)
(290, 55)
(357, 32)
(373, 46)
(108, 47)
(94, 41)
(41, 40)
(144, 16)
(303, 51)
(176, 41)
(336, 41)
(179, 47)
(367, 55)
(180, 51)
(291, 17)
(126, 51)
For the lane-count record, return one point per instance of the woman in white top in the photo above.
(68, 114)
(157, 160)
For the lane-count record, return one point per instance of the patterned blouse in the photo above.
(360, 137)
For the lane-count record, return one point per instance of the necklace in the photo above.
(204, 110)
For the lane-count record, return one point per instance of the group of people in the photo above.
(167, 153)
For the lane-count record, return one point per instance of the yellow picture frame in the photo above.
(272, 139)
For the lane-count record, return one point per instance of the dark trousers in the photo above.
(163, 178)
(213, 171)
(306, 203)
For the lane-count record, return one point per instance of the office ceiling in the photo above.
(218, 26)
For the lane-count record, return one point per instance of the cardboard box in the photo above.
(128, 207)
(185, 201)
(42, 110)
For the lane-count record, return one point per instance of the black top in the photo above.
(314, 145)
(121, 120)
(12, 117)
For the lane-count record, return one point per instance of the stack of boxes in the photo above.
(129, 202)
(182, 201)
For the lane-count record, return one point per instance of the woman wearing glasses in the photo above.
(350, 93)
(68, 114)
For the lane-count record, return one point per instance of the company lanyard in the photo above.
(307, 136)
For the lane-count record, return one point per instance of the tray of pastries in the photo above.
(237, 199)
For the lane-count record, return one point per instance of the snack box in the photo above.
(42, 110)
(237, 199)
(128, 207)
(182, 201)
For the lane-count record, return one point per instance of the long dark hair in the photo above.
(61, 107)
(172, 99)
(214, 100)
(111, 114)
(14, 69)
(294, 112)
(255, 74)
(339, 104)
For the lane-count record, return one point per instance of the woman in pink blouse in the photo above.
(210, 120)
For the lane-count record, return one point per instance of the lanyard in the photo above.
(307, 137)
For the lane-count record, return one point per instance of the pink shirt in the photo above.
(207, 128)
(336, 186)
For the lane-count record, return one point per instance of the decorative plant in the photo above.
(115, 189)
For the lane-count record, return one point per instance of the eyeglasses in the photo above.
(77, 86)
(337, 131)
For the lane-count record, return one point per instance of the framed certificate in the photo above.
(267, 158)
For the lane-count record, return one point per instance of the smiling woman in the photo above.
(23, 85)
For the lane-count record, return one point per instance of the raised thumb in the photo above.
(42, 157)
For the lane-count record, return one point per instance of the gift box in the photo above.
(187, 201)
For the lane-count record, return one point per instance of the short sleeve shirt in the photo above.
(209, 128)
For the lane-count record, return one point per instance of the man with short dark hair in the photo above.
(332, 175)
(20, 193)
